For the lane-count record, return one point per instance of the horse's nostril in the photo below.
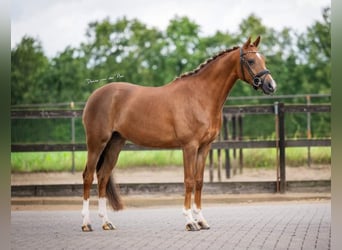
(270, 86)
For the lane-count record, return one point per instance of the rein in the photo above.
(258, 78)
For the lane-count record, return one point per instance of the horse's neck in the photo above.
(215, 81)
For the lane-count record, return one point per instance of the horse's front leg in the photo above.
(197, 208)
(189, 160)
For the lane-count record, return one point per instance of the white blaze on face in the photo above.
(258, 55)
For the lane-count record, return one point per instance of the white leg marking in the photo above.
(85, 212)
(103, 210)
(199, 216)
(188, 216)
(197, 213)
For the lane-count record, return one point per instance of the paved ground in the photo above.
(294, 225)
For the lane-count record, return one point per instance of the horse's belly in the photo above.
(148, 138)
(150, 132)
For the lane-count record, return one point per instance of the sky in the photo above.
(59, 23)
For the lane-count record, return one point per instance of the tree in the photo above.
(315, 47)
(182, 43)
(126, 48)
(67, 77)
(28, 66)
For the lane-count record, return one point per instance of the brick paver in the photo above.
(252, 226)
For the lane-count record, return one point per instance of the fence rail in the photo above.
(215, 145)
(280, 143)
(227, 110)
(232, 99)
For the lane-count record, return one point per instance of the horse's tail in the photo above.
(112, 189)
(113, 194)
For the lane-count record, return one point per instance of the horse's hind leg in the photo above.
(95, 149)
(105, 181)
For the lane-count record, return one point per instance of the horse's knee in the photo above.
(199, 184)
(189, 185)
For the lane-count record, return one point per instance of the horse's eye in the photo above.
(251, 61)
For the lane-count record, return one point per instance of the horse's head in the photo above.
(253, 68)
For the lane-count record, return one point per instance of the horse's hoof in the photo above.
(203, 225)
(192, 227)
(108, 226)
(87, 228)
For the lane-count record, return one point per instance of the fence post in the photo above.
(234, 138)
(72, 139)
(281, 129)
(226, 151)
(240, 137)
(219, 159)
(308, 120)
(276, 118)
(211, 165)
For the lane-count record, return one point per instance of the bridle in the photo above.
(258, 79)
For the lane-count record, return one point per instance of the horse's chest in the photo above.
(213, 130)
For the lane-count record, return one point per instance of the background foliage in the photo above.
(128, 50)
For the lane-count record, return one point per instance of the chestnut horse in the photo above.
(186, 114)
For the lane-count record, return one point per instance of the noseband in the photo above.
(258, 78)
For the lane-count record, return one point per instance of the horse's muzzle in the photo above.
(269, 86)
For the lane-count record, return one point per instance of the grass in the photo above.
(295, 157)
(61, 161)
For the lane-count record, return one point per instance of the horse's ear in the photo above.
(246, 44)
(257, 41)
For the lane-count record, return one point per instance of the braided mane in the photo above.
(206, 62)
